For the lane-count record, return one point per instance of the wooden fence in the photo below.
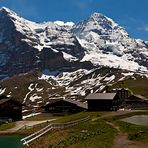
(51, 126)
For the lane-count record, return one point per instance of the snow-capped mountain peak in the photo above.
(102, 20)
(96, 16)
(4, 9)
(8, 12)
(109, 44)
(97, 40)
(101, 25)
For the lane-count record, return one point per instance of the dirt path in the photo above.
(21, 124)
(121, 140)
(115, 113)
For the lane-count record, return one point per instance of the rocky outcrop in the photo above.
(94, 42)
(17, 51)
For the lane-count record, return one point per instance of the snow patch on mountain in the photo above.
(108, 44)
(35, 97)
(66, 78)
(61, 23)
(111, 78)
(102, 41)
(111, 60)
(69, 57)
(30, 90)
(128, 74)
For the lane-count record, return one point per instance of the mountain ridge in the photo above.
(97, 35)
(42, 61)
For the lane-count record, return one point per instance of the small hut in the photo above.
(103, 101)
(123, 93)
(136, 101)
(64, 106)
(10, 108)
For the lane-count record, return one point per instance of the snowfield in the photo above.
(104, 41)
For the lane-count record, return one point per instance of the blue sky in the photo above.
(131, 14)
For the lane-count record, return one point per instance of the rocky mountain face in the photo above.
(36, 88)
(98, 40)
(69, 60)
(26, 45)
(108, 44)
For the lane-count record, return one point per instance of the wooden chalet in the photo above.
(136, 101)
(103, 101)
(64, 106)
(123, 93)
(10, 108)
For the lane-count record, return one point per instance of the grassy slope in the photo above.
(87, 134)
(66, 118)
(77, 116)
(96, 131)
(137, 86)
(92, 134)
(99, 135)
(18, 86)
(135, 132)
(7, 126)
(61, 119)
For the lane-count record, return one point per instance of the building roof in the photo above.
(101, 96)
(8, 99)
(3, 101)
(139, 96)
(80, 104)
(77, 103)
(3, 97)
(136, 98)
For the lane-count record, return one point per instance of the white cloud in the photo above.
(145, 28)
(83, 4)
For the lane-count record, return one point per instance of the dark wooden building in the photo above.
(123, 93)
(64, 106)
(136, 101)
(103, 101)
(10, 108)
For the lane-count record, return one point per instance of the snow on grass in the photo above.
(25, 110)
(40, 102)
(31, 115)
(128, 74)
(99, 89)
(34, 97)
(30, 87)
(8, 96)
(121, 79)
(30, 90)
(125, 75)
(109, 79)
(2, 90)
(65, 78)
(39, 89)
